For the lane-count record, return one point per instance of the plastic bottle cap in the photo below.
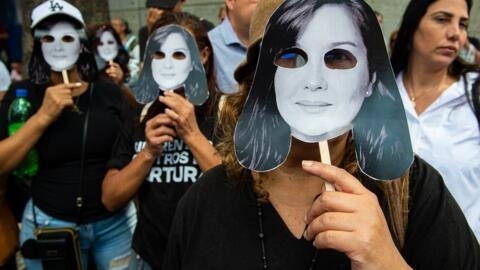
(21, 92)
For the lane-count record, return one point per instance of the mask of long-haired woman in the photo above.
(321, 73)
(171, 63)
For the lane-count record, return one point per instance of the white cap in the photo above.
(55, 7)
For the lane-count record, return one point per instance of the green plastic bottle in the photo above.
(18, 113)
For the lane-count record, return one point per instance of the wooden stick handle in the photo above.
(65, 76)
(325, 158)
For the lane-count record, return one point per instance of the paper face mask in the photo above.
(61, 46)
(172, 61)
(107, 47)
(332, 81)
(323, 70)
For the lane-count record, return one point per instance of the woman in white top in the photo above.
(435, 86)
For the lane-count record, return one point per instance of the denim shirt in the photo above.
(228, 52)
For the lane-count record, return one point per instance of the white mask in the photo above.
(107, 48)
(61, 46)
(319, 98)
(172, 64)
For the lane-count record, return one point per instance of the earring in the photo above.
(368, 92)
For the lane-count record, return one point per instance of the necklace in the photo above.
(261, 236)
(411, 95)
(414, 98)
(75, 107)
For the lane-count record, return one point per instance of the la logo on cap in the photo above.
(54, 5)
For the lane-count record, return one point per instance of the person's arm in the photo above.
(350, 220)
(183, 114)
(119, 186)
(14, 148)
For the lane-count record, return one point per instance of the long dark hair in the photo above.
(263, 138)
(402, 47)
(39, 70)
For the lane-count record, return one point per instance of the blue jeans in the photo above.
(108, 240)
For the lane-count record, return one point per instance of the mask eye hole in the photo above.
(158, 55)
(47, 39)
(68, 39)
(110, 42)
(340, 59)
(179, 55)
(290, 58)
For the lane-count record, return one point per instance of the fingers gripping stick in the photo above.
(66, 80)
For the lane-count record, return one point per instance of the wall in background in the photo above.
(134, 12)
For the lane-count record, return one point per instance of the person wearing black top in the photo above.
(161, 152)
(76, 118)
(284, 217)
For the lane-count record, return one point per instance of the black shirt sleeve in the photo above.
(437, 236)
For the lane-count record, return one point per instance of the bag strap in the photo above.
(473, 97)
(79, 198)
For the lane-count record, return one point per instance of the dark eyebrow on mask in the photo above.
(338, 43)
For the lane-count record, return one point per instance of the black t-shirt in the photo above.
(169, 178)
(216, 227)
(56, 184)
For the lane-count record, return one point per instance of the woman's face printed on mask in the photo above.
(61, 46)
(321, 83)
(172, 64)
(107, 47)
